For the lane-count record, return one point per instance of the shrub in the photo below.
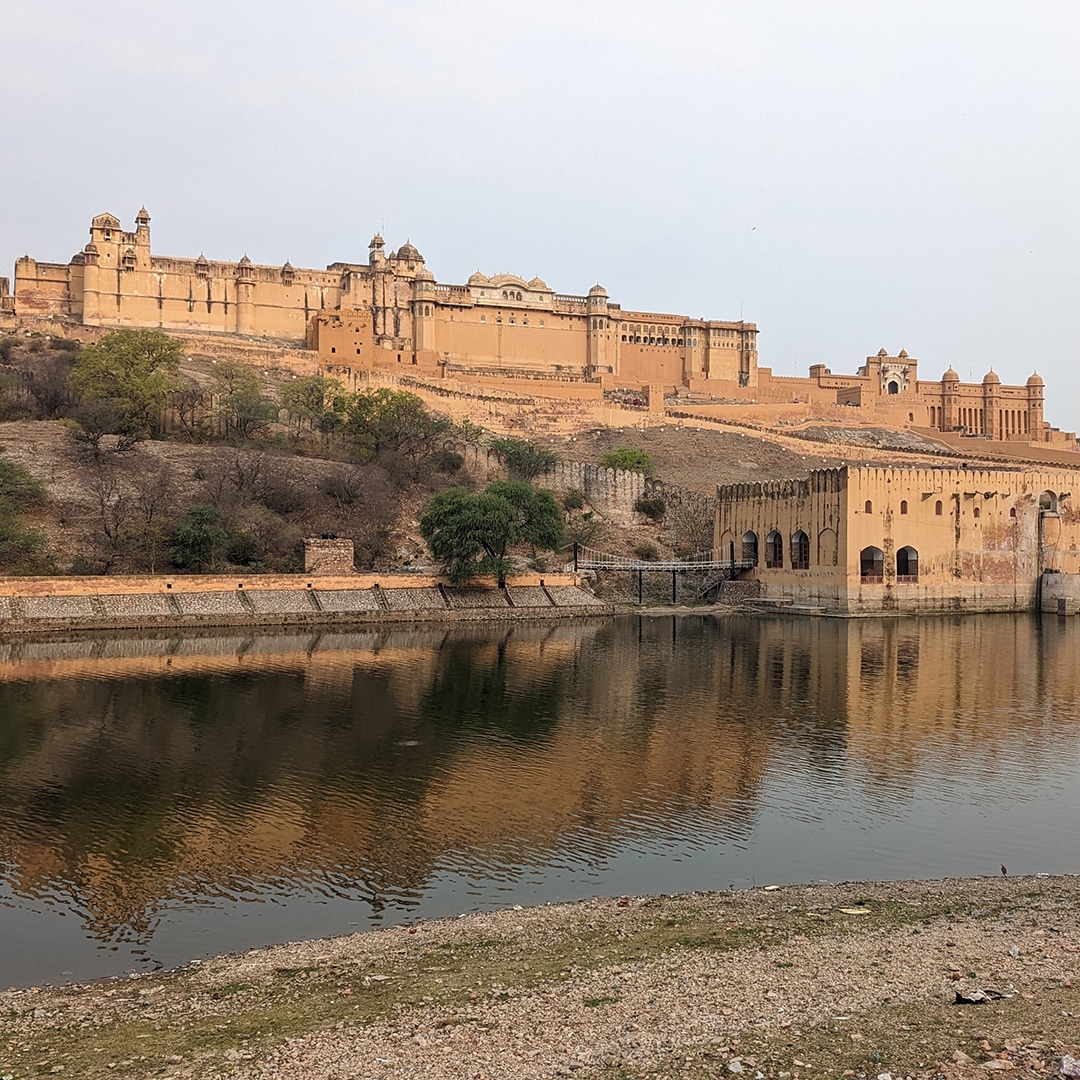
(573, 500)
(652, 506)
(647, 552)
(524, 459)
(447, 461)
(626, 457)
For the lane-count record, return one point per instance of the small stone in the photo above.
(961, 1058)
(735, 1066)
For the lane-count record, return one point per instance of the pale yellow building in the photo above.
(862, 540)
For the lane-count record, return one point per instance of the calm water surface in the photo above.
(167, 798)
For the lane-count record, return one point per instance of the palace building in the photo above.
(390, 314)
(866, 541)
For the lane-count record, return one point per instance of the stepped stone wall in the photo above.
(30, 605)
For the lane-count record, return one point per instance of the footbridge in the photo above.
(711, 563)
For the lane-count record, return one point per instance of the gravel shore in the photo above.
(853, 980)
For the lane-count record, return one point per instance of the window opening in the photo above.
(872, 566)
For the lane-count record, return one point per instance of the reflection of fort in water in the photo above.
(137, 771)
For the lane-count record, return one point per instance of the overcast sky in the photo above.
(849, 175)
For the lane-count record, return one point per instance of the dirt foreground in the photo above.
(848, 980)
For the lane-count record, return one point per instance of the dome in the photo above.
(142, 217)
(245, 261)
(991, 377)
(1035, 380)
(902, 354)
(539, 284)
(477, 279)
(376, 241)
(950, 376)
(288, 267)
(91, 248)
(882, 352)
(598, 290)
(407, 251)
(424, 275)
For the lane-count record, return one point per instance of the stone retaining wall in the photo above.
(48, 604)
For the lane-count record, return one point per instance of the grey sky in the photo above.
(850, 175)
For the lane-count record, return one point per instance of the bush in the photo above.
(524, 459)
(626, 457)
(199, 539)
(447, 461)
(573, 500)
(652, 506)
(647, 552)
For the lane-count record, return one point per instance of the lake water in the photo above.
(166, 798)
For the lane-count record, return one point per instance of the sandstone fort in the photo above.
(390, 314)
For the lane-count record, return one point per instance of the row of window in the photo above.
(939, 508)
(871, 559)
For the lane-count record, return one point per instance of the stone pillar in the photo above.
(328, 556)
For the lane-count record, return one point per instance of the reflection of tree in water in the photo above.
(478, 687)
(361, 771)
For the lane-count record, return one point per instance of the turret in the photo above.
(1035, 389)
(142, 239)
(950, 396)
(991, 385)
(424, 312)
(245, 297)
(600, 352)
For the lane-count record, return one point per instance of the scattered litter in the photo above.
(979, 997)
(770, 888)
(1070, 1066)
(855, 910)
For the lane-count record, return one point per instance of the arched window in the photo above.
(1012, 511)
(894, 388)
(903, 506)
(800, 551)
(774, 550)
(975, 511)
(907, 565)
(749, 547)
(868, 508)
(911, 417)
(938, 508)
(1048, 502)
(872, 565)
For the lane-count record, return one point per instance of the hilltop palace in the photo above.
(390, 314)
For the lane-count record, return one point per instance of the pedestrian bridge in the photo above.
(587, 558)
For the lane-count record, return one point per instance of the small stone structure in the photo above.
(328, 556)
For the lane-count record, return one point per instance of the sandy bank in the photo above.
(853, 979)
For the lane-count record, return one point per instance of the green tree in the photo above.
(244, 409)
(133, 371)
(626, 457)
(19, 545)
(471, 533)
(316, 400)
(383, 420)
(199, 539)
(525, 460)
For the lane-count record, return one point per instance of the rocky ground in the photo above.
(792, 982)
